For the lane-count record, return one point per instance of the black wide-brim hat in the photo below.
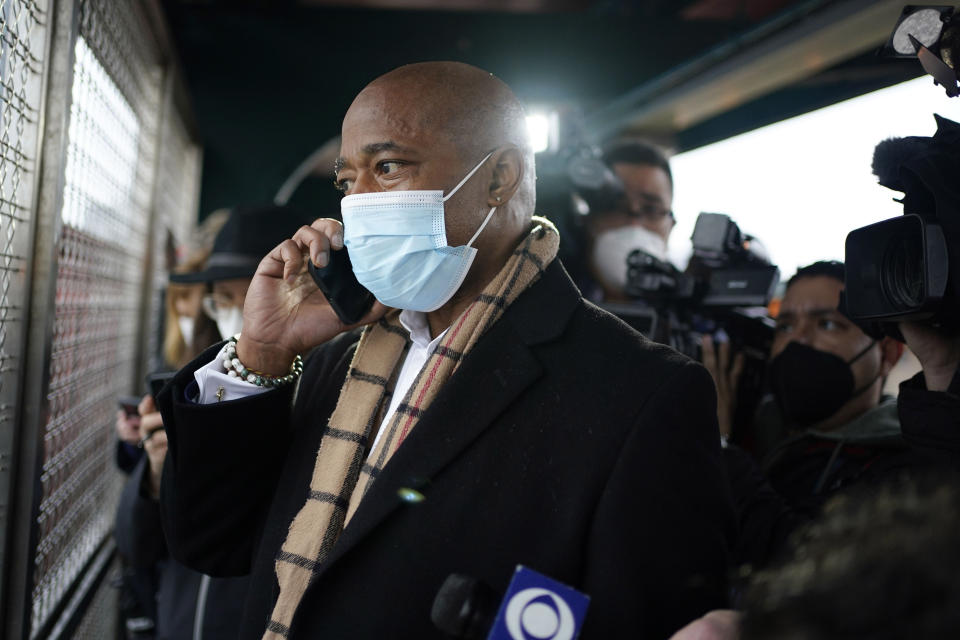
(249, 234)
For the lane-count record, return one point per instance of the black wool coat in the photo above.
(178, 596)
(565, 442)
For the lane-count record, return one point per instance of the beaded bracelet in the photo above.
(235, 369)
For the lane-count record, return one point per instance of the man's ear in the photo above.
(508, 174)
(890, 352)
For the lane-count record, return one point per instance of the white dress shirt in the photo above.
(216, 386)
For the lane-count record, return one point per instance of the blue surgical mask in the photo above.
(398, 246)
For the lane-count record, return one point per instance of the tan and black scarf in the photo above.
(341, 477)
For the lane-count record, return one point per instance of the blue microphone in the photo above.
(534, 607)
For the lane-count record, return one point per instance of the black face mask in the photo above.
(810, 385)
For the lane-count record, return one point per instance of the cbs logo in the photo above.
(539, 614)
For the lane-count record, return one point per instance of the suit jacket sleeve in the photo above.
(657, 554)
(223, 462)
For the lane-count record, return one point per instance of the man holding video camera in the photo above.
(826, 377)
(914, 261)
(643, 220)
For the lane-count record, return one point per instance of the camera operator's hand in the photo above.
(285, 314)
(726, 376)
(939, 355)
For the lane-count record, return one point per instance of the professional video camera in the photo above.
(727, 287)
(908, 268)
(725, 290)
(731, 269)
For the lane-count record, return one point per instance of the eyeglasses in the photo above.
(648, 210)
(645, 210)
(214, 304)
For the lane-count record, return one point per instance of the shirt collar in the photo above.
(416, 323)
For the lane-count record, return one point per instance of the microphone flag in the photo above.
(536, 607)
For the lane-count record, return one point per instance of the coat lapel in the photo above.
(496, 372)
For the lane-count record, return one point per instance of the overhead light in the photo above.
(541, 130)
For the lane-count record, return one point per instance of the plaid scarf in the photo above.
(341, 478)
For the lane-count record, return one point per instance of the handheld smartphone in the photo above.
(149, 435)
(156, 381)
(349, 299)
(129, 405)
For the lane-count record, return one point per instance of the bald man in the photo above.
(484, 416)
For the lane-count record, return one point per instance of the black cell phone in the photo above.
(129, 405)
(349, 299)
(156, 381)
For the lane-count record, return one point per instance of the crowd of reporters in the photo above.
(823, 434)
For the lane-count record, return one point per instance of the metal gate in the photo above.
(98, 166)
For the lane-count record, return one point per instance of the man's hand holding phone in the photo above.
(285, 314)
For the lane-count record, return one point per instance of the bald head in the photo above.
(452, 103)
(425, 127)
(474, 107)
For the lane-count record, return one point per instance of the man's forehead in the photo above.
(812, 294)
(652, 180)
(390, 109)
(369, 129)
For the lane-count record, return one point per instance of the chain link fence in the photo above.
(105, 220)
(130, 175)
(23, 38)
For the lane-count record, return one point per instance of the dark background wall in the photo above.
(271, 85)
(270, 81)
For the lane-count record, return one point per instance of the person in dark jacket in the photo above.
(491, 418)
(189, 605)
(826, 375)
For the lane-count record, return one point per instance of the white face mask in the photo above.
(229, 321)
(186, 329)
(612, 247)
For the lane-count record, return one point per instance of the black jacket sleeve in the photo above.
(223, 462)
(138, 532)
(127, 456)
(766, 520)
(930, 420)
(666, 511)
